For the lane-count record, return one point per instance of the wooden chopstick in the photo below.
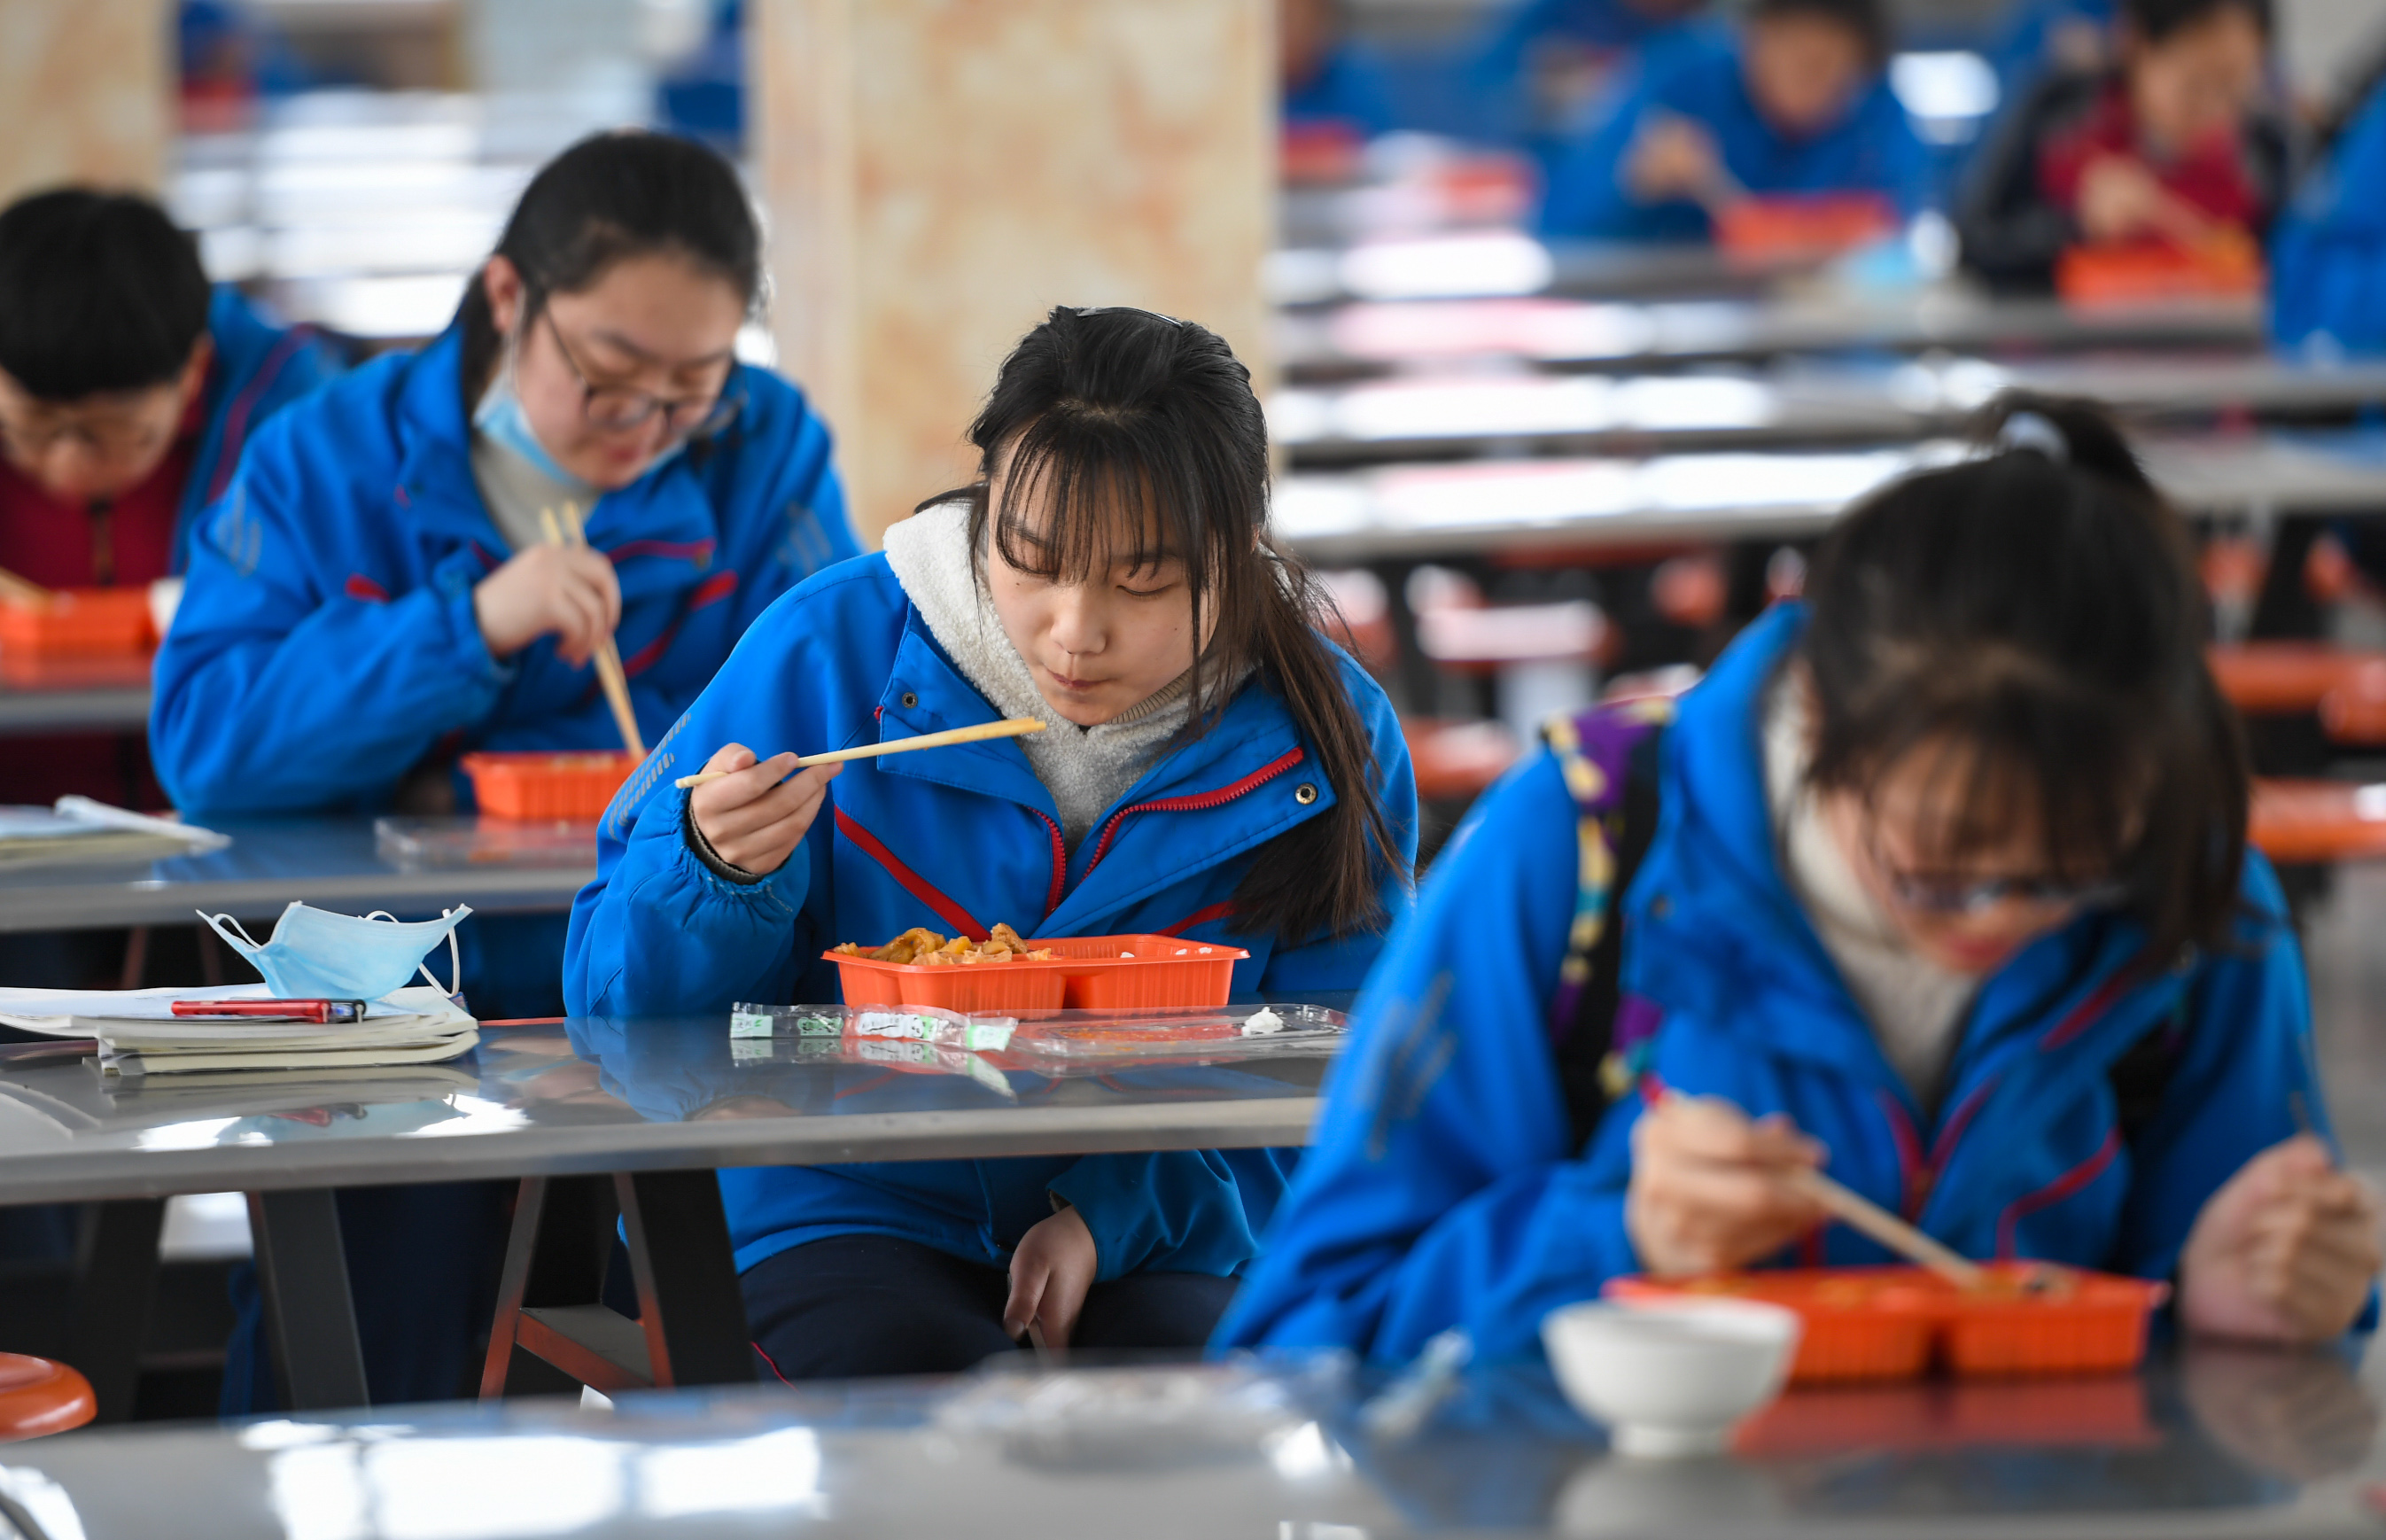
(1010, 727)
(607, 657)
(23, 590)
(1862, 1213)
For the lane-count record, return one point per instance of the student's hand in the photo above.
(757, 816)
(2119, 200)
(569, 591)
(1709, 1189)
(1673, 158)
(2285, 1251)
(1049, 1274)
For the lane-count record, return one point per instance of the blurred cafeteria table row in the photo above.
(1407, 511)
(1373, 337)
(2207, 1442)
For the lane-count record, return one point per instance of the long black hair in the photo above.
(1141, 438)
(610, 197)
(2038, 612)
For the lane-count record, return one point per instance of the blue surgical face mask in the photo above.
(501, 419)
(316, 955)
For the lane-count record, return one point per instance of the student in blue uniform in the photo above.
(1797, 103)
(2328, 258)
(372, 596)
(375, 595)
(1546, 64)
(1211, 767)
(1328, 78)
(1941, 887)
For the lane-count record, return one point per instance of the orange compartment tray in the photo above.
(1088, 974)
(2155, 271)
(1889, 1323)
(1790, 226)
(80, 621)
(540, 784)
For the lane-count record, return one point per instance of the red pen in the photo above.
(323, 1011)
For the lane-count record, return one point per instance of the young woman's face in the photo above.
(2197, 84)
(1097, 648)
(1802, 72)
(615, 374)
(1967, 918)
(100, 446)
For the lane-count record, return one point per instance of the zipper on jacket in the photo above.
(1199, 802)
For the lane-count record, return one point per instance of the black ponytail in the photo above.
(610, 197)
(1142, 435)
(2038, 610)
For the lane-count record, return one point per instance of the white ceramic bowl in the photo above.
(1670, 1378)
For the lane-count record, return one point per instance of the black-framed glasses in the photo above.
(619, 407)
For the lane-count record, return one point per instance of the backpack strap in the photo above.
(1609, 756)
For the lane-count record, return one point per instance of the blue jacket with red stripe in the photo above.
(326, 644)
(260, 368)
(957, 841)
(1443, 1187)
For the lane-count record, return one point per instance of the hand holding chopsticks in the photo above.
(1859, 1212)
(607, 657)
(1010, 727)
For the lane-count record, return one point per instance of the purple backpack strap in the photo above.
(1594, 748)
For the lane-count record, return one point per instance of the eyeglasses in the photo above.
(618, 406)
(115, 435)
(1967, 896)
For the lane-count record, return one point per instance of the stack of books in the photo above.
(139, 1032)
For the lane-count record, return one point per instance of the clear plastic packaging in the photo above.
(1143, 1417)
(1073, 1037)
(912, 1023)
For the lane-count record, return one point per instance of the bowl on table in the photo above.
(1671, 1377)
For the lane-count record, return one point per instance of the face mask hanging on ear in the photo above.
(500, 418)
(317, 955)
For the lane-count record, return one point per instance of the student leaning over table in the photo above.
(1210, 766)
(375, 595)
(1946, 890)
(372, 596)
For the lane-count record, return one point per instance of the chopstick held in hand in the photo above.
(607, 657)
(1010, 727)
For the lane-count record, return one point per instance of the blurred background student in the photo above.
(1796, 103)
(2328, 259)
(1544, 66)
(1331, 80)
(128, 387)
(376, 595)
(2175, 146)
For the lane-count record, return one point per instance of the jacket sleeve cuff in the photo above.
(711, 860)
(1175, 1209)
(455, 579)
(783, 889)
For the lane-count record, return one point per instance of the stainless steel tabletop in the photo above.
(67, 695)
(2212, 1442)
(609, 1094)
(331, 861)
(1511, 504)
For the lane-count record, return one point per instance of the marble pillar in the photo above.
(939, 174)
(86, 93)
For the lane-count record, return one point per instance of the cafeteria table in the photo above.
(590, 1112)
(2205, 1442)
(72, 695)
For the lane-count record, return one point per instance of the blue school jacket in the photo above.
(955, 841)
(1348, 88)
(2327, 258)
(260, 369)
(326, 644)
(1443, 1189)
(1872, 149)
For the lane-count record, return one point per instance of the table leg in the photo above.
(686, 1272)
(549, 1295)
(117, 1281)
(310, 1318)
(1415, 686)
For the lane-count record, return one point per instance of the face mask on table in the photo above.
(317, 955)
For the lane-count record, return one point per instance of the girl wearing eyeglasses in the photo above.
(375, 594)
(1936, 883)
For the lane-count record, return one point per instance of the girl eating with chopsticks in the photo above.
(1936, 886)
(1209, 765)
(392, 578)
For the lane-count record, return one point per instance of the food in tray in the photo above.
(921, 947)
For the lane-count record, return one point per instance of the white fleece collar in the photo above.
(1086, 769)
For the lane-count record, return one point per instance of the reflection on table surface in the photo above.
(2208, 1442)
(607, 1094)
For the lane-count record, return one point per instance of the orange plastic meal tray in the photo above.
(2152, 272)
(1890, 1323)
(544, 785)
(1090, 972)
(1787, 227)
(80, 621)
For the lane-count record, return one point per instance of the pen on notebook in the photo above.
(327, 1012)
